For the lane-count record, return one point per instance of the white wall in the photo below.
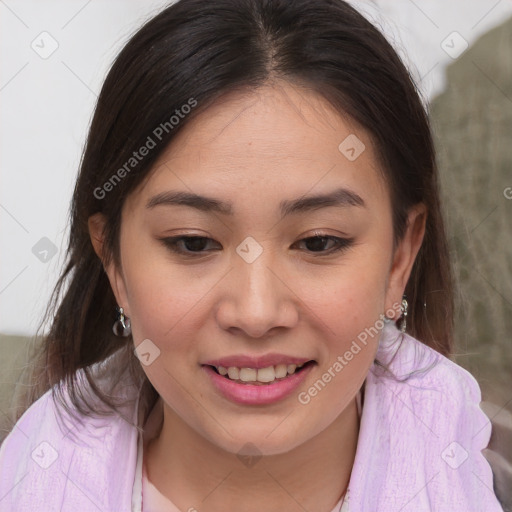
(47, 104)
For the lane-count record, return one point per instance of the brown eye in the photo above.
(187, 244)
(199, 245)
(326, 244)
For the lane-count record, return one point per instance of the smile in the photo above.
(259, 375)
(257, 386)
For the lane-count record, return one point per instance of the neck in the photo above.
(196, 474)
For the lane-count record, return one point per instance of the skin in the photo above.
(255, 150)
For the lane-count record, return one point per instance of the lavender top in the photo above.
(419, 447)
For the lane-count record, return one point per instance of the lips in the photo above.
(257, 380)
(257, 393)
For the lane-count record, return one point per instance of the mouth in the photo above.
(260, 376)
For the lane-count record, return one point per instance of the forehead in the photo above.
(281, 140)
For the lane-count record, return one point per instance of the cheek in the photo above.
(162, 303)
(166, 308)
(350, 312)
(350, 309)
(351, 297)
(161, 294)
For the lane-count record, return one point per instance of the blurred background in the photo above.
(54, 56)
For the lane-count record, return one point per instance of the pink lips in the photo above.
(256, 394)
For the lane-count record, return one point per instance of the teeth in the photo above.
(263, 375)
(266, 374)
(281, 371)
(291, 368)
(247, 374)
(233, 373)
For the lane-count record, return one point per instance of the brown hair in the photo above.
(201, 50)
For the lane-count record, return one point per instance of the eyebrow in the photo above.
(340, 198)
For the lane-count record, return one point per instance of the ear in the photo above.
(404, 256)
(96, 224)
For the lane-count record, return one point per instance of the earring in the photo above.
(122, 326)
(404, 306)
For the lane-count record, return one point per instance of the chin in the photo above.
(255, 441)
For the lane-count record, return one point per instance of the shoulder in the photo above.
(428, 390)
(422, 432)
(410, 366)
(52, 453)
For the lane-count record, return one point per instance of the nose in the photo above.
(257, 299)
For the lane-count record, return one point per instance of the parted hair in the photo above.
(203, 50)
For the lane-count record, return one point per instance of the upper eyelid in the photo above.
(319, 235)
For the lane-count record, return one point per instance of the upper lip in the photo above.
(245, 361)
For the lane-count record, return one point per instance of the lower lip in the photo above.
(252, 394)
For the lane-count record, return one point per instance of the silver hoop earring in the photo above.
(122, 326)
(404, 306)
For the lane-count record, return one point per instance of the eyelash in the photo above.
(172, 244)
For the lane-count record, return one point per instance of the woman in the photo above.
(258, 204)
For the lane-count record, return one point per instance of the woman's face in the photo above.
(261, 175)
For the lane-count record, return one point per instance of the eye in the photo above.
(196, 245)
(318, 244)
(187, 245)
